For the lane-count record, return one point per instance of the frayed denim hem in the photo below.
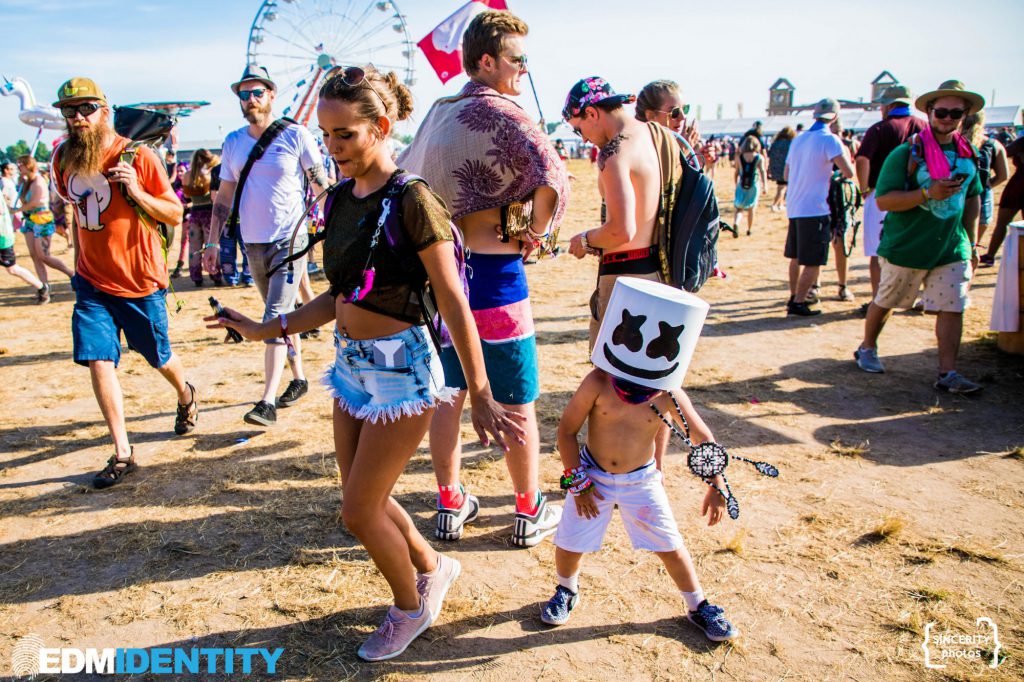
(384, 413)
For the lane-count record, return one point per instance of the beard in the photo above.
(85, 149)
(257, 113)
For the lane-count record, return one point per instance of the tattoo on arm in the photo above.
(610, 150)
(318, 174)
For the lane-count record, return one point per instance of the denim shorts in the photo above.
(387, 378)
(99, 318)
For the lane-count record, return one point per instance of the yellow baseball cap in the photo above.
(78, 88)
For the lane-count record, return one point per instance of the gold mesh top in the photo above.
(351, 224)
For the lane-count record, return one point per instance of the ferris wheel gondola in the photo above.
(300, 40)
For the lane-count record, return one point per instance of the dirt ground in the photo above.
(896, 506)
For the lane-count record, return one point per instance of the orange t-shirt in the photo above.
(119, 254)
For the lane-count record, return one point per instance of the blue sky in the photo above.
(725, 52)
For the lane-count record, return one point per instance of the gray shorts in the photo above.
(278, 293)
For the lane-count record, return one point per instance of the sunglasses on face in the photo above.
(246, 95)
(518, 62)
(353, 77)
(955, 114)
(86, 109)
(676, 112)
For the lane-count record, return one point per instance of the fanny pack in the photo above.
(41, 217)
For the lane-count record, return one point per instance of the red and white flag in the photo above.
(443, 46)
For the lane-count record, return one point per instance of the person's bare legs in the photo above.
(808, 276)
(794, 276)
(874, 323)
(446, 442)
(680, 568)
(371, 457)
(39, 250)
(750, 221)
(567, 563)
(24, 275)
(875, 273)
(838, 247)
(446, 446)
(174, 371)
(107, 389)
(273, 366)
(948, 331)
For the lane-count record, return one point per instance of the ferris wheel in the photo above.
(300, 40)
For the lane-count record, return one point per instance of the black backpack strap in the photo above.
(258, 150)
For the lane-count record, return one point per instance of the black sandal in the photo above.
(187, 416)
(115, 470)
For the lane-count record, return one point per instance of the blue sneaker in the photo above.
(247, 280)
(711, 619)
(556, 611)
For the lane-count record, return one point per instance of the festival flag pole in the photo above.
(535, 98)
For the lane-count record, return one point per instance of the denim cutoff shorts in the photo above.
(387, 378)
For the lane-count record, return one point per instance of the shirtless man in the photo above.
(502, 221)
(629, 180)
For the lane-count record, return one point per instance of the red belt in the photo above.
(624, 256)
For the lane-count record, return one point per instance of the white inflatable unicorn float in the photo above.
(39, 116)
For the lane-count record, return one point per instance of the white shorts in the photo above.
(642, 501)
(872, 228)
(945, 287)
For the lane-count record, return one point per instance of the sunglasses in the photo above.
(246, 95)
(676, 112)
(353, 76)
(519, 62)
(955, 114)
(86, 109)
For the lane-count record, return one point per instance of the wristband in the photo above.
(576, 481)
(585, 241)
(924, 193)
(207, 246)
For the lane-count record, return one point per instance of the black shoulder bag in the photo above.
(262, 144)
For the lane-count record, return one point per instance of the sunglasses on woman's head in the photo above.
(246, 95)
(353, 76)
(955, 114)
(86, 109)
(676, 112)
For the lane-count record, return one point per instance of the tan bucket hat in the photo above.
(954, 88)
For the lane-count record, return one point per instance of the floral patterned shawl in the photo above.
(479, 150)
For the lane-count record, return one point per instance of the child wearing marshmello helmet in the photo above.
(647, 337)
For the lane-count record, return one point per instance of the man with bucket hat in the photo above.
(931, 190)
(264, 206)
(808, 174)
(120, 279)
(896, 126)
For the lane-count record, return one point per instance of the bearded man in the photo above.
(120, 279)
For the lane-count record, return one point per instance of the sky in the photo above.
(724, 52)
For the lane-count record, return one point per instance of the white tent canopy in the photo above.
(853, 119)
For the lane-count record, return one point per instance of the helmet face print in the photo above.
(629, 335)
(649, 332)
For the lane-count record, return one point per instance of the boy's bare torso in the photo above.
(620, 436)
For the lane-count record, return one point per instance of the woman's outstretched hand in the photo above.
(489, 417)
(232, 319)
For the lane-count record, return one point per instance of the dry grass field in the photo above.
(896, 506)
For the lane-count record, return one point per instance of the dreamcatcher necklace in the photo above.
(709, 459)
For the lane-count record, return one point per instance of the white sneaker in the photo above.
(434, 586)
(528, 531)
(451, 521)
